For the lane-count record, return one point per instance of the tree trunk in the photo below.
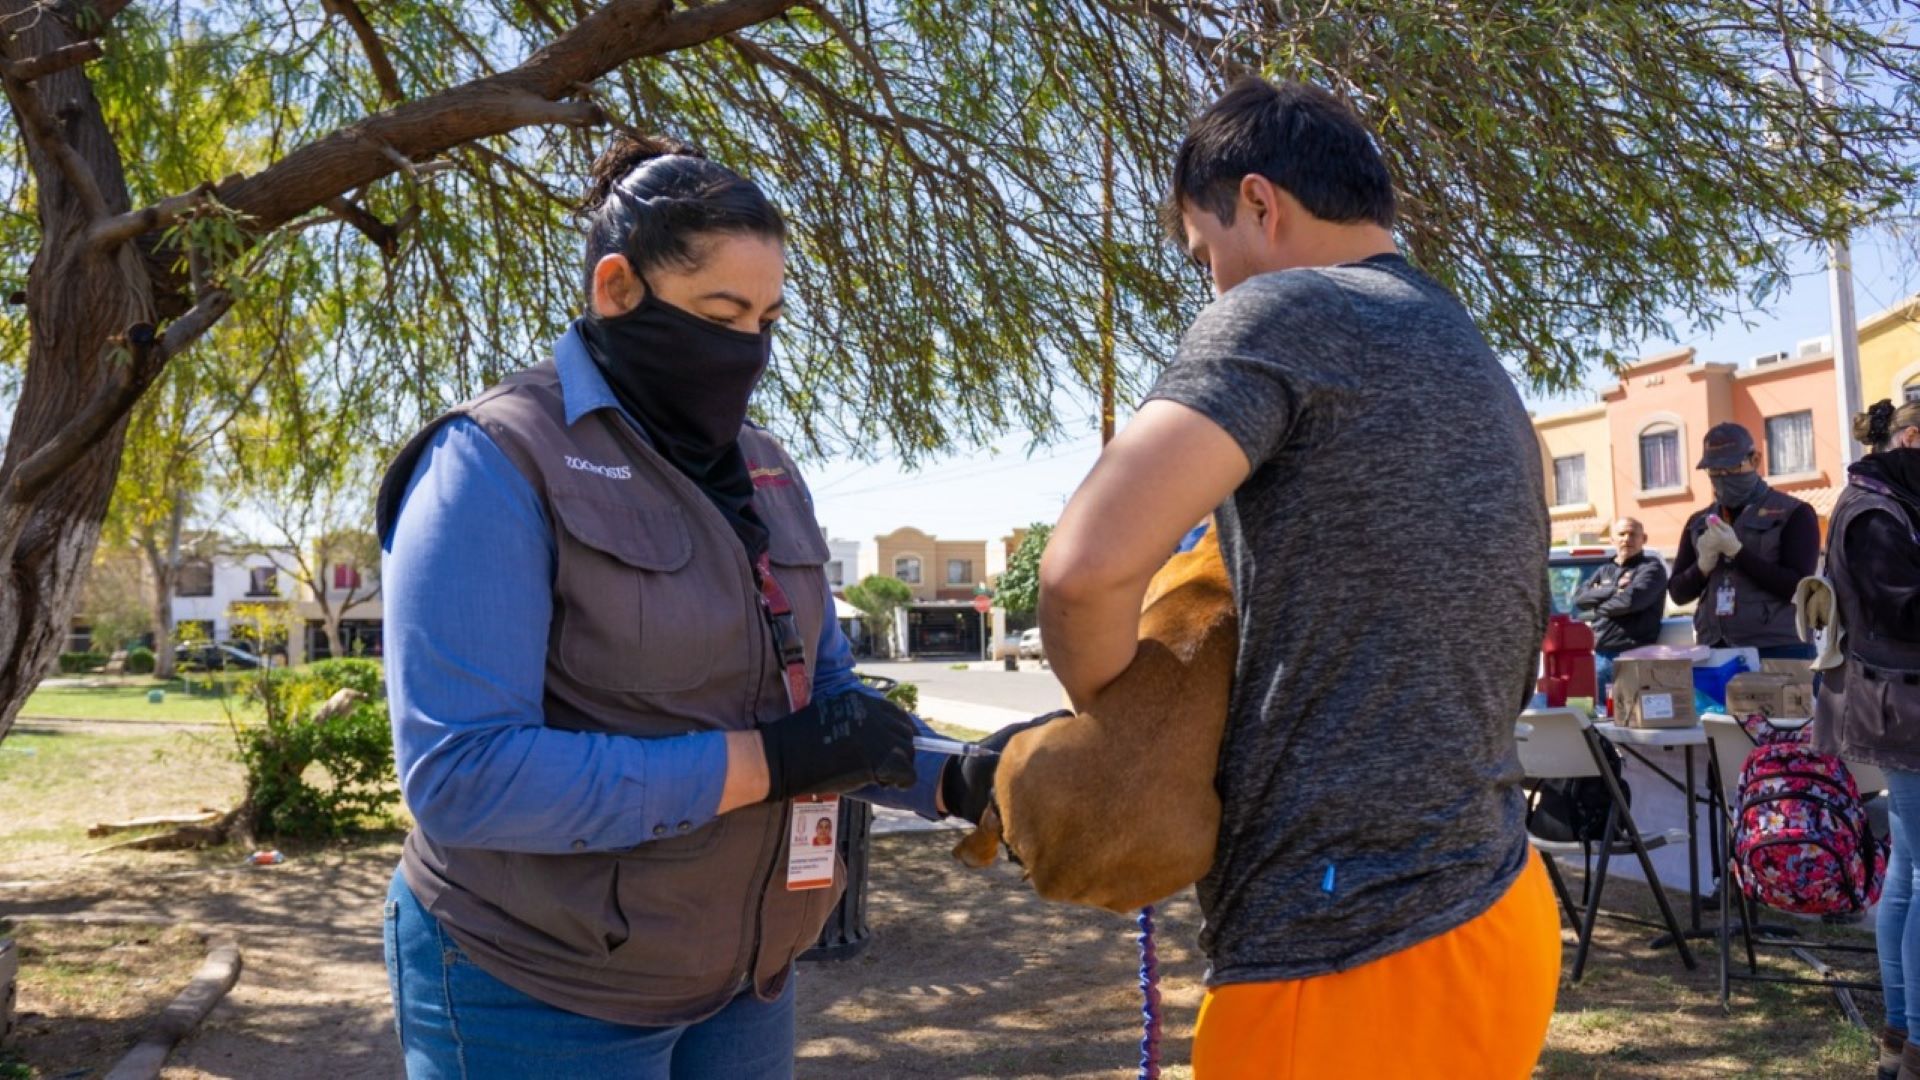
(78, 302)
(165, 570)
(331, 620)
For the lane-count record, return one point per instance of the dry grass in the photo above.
(53, 786)
(87, 992)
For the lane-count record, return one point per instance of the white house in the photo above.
(209, 589)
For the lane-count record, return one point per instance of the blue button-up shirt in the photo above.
(468, 583)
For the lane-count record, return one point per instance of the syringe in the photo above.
(951, 746)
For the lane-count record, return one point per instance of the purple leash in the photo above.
(1149, 999)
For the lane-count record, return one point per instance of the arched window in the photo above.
(1911, 391)
(907, 568)
(1660, 457)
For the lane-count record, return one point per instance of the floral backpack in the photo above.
(1801, 839)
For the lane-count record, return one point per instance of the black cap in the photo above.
(1727, 446)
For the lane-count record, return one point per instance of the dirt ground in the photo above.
(968, 975)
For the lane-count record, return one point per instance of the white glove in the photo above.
(1725, 539)
(1707, 545)
(1812, 607)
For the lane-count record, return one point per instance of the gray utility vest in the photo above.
(1869, 707)
(1759, 618)
(657, 631)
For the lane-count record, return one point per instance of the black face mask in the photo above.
(687, 381)
(684, 378)
(1736, 491)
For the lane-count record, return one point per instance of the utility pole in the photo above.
(1106, 288)
(1845, 328)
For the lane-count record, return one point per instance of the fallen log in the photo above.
(206, 816)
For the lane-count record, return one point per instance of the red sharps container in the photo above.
(1568, 661)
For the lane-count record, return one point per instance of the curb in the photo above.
(216, 976)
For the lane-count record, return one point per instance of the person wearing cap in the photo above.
(1742, 556)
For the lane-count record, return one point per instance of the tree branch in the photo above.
(60, 59)
(371, 44)
(114, 231)
(39, 127)
(149, 355)
(618, 32)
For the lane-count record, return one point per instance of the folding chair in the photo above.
(1730, 745)
(1560, 744)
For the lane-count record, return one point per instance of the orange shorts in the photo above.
(1472, 1003)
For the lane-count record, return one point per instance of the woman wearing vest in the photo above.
(1869, 707)
(1742, 557)
(617, 685)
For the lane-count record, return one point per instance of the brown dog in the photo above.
(1116, 807)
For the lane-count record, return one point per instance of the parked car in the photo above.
(1030, 647)
(214, 657)
(1570, 568)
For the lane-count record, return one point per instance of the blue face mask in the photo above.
(1736, 491)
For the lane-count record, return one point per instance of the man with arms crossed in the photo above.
(1361, 448)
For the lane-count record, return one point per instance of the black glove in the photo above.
(839, 745)
(966, 784)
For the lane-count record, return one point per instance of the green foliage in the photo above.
(366, 676)
(1018, 589)
(878, 598)
(79, 663)
(140, 661)
(906, 695)
(316, 778)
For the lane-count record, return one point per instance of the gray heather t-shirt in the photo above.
(1388, 557)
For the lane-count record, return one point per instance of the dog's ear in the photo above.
(980, 847)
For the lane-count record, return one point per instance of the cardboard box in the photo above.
(1773, 695)
(1801, 669)
(1653, 693)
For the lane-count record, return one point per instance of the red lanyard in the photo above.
(786, 634)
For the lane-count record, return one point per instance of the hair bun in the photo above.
(626, 153)
(1875, 426)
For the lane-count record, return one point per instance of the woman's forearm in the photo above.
(747, 780)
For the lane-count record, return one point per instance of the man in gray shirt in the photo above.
(1377, 488)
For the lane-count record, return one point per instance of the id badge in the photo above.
(812, 841)
(1723, 600)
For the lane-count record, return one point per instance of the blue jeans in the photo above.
(1897, 927)
(455, 1020)
(1602, 677)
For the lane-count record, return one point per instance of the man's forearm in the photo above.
(1090, 638)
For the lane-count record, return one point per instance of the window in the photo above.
(263, 581)
(345, 577)
(196, 578)
(959, 571)
(836, 573)
(907, 569)
(1570, 480)
(1660, 458)
(1912, 391)
(1790, 444)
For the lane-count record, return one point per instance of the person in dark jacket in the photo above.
(1869, 707)
(1743, 556)
(1623, 600)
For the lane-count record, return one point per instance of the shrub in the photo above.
(366, 676)
(140, 661)
(906, 695)
(352, 752)
(79, 663)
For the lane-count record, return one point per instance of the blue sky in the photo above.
(985, 493)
